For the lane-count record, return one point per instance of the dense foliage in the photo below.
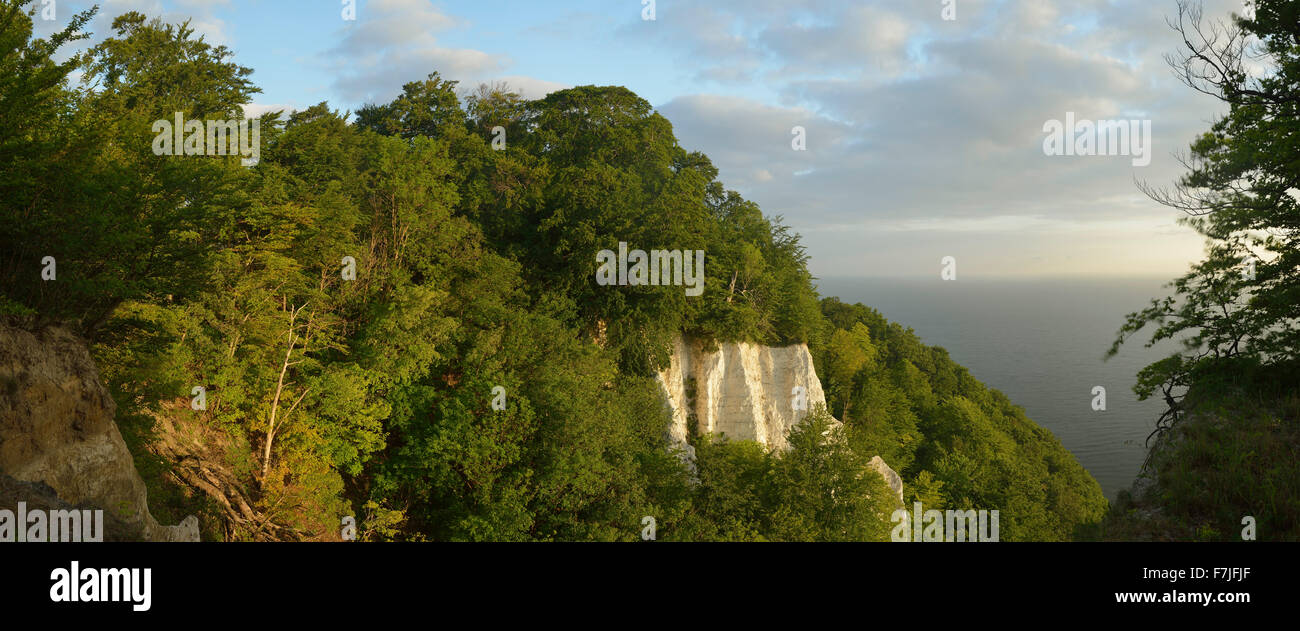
(957, 444)
(1242, 193)
(1229, 471)
(394, 316)
(1226, 445)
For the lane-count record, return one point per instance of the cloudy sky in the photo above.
(924, 136)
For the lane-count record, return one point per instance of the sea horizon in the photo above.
(1040, 340)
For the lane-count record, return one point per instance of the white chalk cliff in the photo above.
(745, 392)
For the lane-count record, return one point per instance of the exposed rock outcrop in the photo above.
(745, 392)
(57, 429)
(891, 477)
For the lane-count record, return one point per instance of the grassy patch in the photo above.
(1235, 455)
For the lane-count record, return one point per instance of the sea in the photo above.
(1042, 342)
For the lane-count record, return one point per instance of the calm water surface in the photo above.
(1042, 343)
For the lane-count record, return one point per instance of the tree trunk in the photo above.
(279, 388)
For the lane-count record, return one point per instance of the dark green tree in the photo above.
(1242, 193)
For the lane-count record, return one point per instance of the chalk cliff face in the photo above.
(57, 429)
(745, 392)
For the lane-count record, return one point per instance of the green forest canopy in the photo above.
(474, 269)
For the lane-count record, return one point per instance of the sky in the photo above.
(923, 137)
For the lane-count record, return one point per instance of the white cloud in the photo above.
(200, 14)
(931, 131)
(254, 110)
(394, 42)
(527, 87)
